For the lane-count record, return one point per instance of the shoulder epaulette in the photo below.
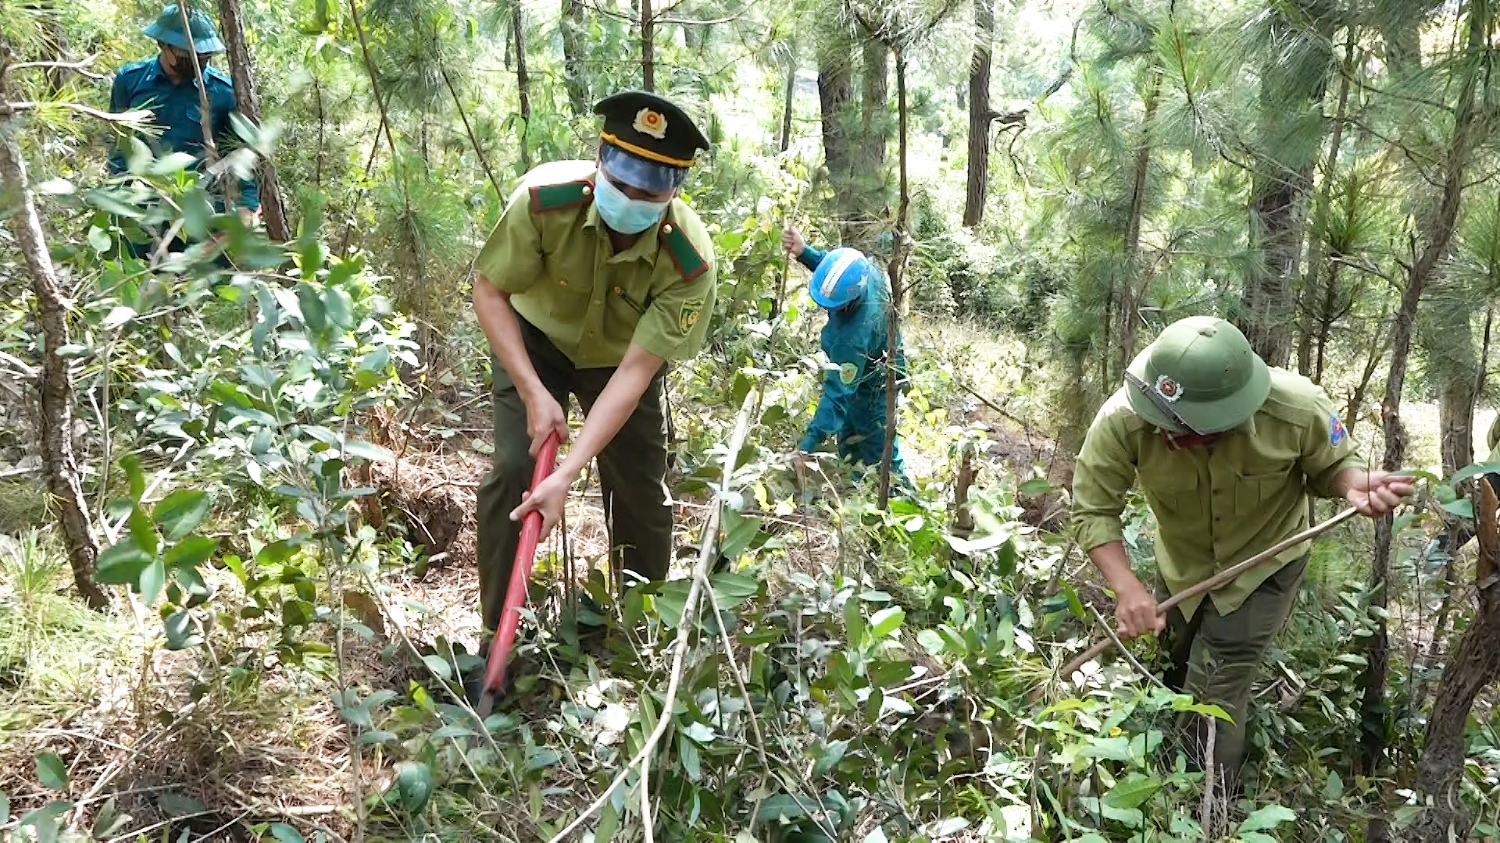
(218, 75)
(556, 197)
(689, 262)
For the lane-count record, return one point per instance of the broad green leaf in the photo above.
(197, 213)
(830, 757)
(730, 590)
(886, 621)
(312, 308)
(171, 163)
(122, 562)
(51, 772)
(930, 641)
(100, 240)
(438, 666)
(180, 632)
(181, 512)
(1267, 817)
(339, 307)
(1472, 471)
(4, 808)
(153, 580)
(1333, 787)
(1036, 486)
(672, 602)
(132, 467)
(538, 757)
(1109, 749)
(413, 785)
(700, 732)
(286, 834)
(143, 531)
(1133, 791)
(191, 552)
(109, 199)
(360, 449)
(1461, 508)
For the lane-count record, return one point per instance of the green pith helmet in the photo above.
(1202, 370)
(167, 28)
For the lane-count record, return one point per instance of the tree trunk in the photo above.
(1291, 92)
(1474, 666)
(870, 171)
(979, 113)
(835, 91)
(648, 47)
(1130, 291)
(1437, 233)
(575, 71)
(56, 390)
(898, 291)
(247, 97)
(1317, 247)
(523, 84)
(785, 142)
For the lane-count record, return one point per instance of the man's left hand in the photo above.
(1376, 493)
(549, 498)
(249, 217)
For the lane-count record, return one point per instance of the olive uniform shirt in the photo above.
(552, 253)
(1215, 507)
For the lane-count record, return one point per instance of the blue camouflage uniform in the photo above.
(852, 408)
(176, 110)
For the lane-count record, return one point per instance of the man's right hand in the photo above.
(544, 416)
(792, 241)
(1135, 611)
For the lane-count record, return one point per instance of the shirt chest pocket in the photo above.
(1173, 492)
(624, 308)
(1260, 486)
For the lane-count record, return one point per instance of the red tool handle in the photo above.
(520, 575)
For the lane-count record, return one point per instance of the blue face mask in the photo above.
(623, 214)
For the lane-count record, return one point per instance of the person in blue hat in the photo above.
(164, 85)
(856, 340)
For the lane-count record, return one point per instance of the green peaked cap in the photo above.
(1204, 368)
(167, 28)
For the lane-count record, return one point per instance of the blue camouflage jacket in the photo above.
(855, 340)
(176, 109)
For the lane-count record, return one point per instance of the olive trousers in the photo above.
(632, 472)
(1217, 657)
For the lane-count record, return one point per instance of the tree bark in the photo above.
(523, 85)
(648, 47)
(575, 71)
(898, 291)
(979, 113)
(247, 97)
(61, 464)
(1438, 233)
(1291, 93)
(1474, 666)
(785, 142)
(835, 91)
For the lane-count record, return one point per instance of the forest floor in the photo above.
(136, 731)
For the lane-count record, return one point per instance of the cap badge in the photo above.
(652, 123)
(1168, 388)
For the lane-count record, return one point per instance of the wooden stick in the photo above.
(1216, 581)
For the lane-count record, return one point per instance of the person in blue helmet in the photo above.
(856, 340)
(164, 85)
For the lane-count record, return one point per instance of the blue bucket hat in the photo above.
(167, 28)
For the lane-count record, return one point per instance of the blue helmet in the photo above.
(841, 278)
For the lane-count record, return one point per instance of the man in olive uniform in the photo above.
(596, 275)
(164, 85)
(1228, 452)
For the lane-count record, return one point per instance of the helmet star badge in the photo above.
(1168, 388)
(649, 122)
